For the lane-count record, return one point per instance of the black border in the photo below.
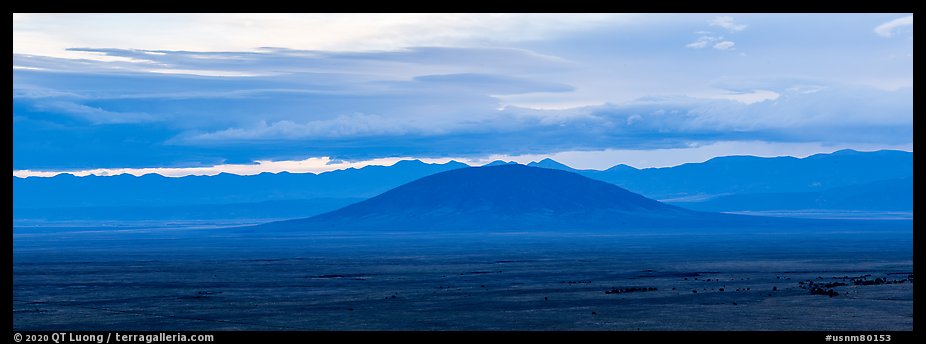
(587, 6)
(539, 336)
(496, 6)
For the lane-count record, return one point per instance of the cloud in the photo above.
(274, 100)
(705, 41)
(422, 102)
(339, 127)
(727, 22)
(494, 84)
(655, 122)
(590, 159)
(724, 45)
(51, 34)
(279, 62)
(697, 44)
(309, 165)
(702, 42)
(707, 38)
(92, 114)
(290, 91)
(470, 86)
(892, 27)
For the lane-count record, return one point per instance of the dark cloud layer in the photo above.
(180, 108)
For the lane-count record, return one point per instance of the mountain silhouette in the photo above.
(752, 175)
(551, 164)
(846, 180)
(153, 190)
(500, 162)
(507, 197)
(885, 195)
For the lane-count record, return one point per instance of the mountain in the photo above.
(500, 162)
(886, 195)
(507, 197)
(620, 168)
(751, 175)
(761, 183)
(152, 190)
(551, 164)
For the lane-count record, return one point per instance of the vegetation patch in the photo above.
(630, 290)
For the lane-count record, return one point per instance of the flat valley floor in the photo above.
(201, 277)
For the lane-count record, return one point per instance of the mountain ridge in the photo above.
(884, 195)
(225, 188)
(732, 175)
(507, 197)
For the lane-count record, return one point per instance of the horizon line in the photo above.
(326, 164)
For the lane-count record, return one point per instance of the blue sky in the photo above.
(245, 93)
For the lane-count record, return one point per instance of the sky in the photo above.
(181, 94)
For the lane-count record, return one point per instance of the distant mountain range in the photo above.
(885, 195)
(848, 180)
(750, 175)
(507, 197)
(66, 190)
